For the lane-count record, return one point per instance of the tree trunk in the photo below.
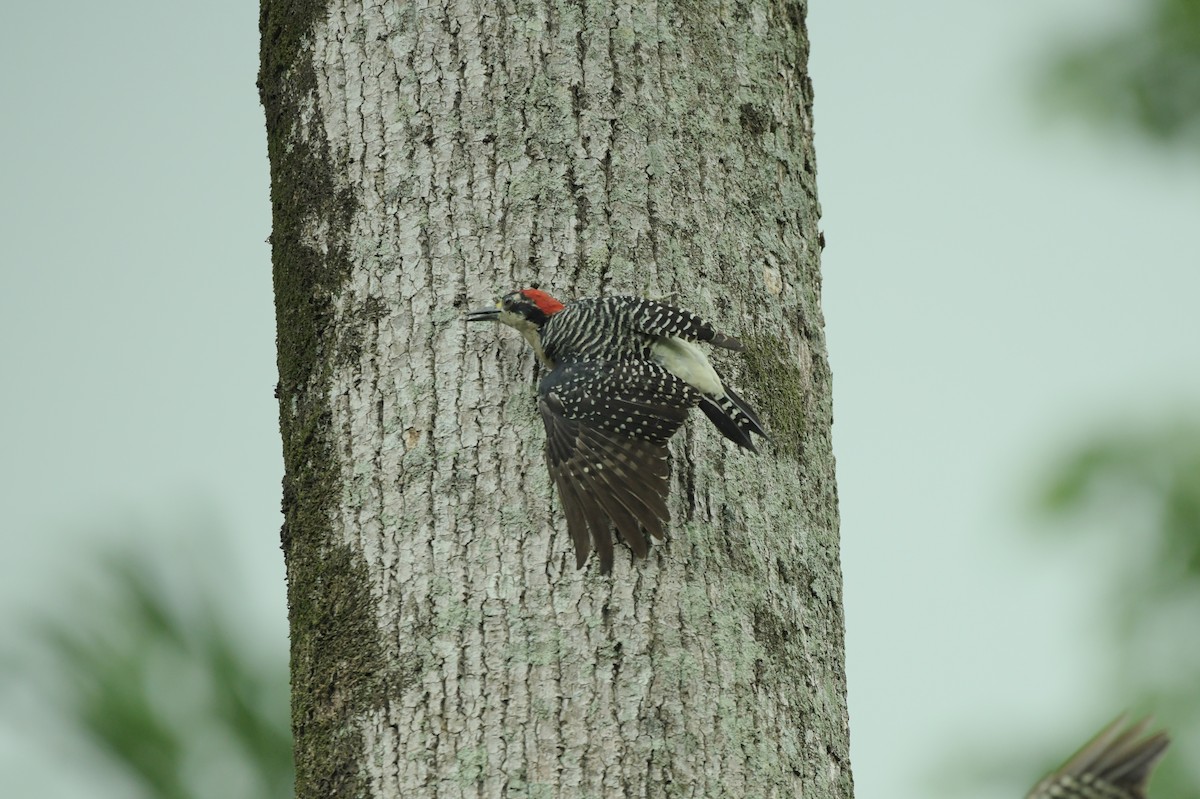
(425, 158)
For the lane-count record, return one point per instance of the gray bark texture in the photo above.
(426, 157)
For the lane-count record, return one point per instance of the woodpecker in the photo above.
(1114, 765)
(622, 374)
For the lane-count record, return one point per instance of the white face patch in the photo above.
(528, 330)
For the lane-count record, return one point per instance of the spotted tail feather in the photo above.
(734, 417)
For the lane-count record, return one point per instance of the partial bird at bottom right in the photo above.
(1116, 764)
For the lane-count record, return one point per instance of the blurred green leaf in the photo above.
(162, 683)
(1148, 480)
(1145, 76)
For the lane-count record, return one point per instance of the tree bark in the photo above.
(425, 158)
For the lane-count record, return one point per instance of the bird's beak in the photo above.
(484, 315)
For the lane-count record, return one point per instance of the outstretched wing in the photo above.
(607, 427)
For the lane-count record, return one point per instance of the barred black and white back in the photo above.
(621, 328)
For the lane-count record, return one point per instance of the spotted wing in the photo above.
(607, 427)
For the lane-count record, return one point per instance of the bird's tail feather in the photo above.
(734, 418)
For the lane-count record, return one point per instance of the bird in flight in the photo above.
(622, 374)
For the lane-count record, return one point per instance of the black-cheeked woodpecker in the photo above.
(622, 374)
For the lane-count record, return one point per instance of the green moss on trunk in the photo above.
(335, 662)
(779, 391)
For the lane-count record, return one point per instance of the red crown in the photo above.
(547, 304)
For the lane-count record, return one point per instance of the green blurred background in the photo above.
(1011, 202)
